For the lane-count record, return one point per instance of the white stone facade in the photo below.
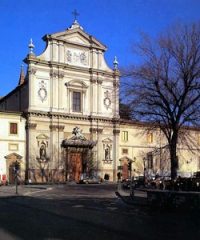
(68, 85)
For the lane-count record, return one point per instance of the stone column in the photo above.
(56, 160)
(99, 96)
(31, 85)
(116, 93)
(30, 128)
(116, 132)
(53, 89)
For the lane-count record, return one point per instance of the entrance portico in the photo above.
(79, 156)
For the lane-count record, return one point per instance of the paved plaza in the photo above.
(75, 211)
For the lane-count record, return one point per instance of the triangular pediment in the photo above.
(107, 140)
(13, 156)
(75, 38)
(42, 137)
(79, 37)
(77, 83)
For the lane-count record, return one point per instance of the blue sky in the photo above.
(116, 23)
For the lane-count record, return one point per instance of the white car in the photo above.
(91, 180)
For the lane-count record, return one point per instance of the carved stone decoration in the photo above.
(96, 130)
(107, 100)
(78, 140)
(76, 57)
(69, 56)
(32, 71)
(99, 130)
(78, 133)
(92, 80)
(31, 125)
(53, 73)
(93, 130)
(116, 131)
(56, 127)
(42, 92)
(61, 128)
(99, 81)
(61, 75)
(83, 58)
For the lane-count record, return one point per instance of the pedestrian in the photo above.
(118, 176)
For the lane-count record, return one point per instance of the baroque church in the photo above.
(69, 99)
(62, 123)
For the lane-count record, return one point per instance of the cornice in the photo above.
(63, 66)
(91, 40)
(58, 115)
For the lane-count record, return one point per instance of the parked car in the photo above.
(90, 180)
(138, 182)
(126, 183)
(196, 174)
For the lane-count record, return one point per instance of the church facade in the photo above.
(69, 105)
(69, 85)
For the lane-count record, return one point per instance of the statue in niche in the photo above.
(107, 152)
(43, 154)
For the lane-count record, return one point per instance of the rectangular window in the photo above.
(124, 136)
(150, 137)
(150, 161)
(13, 147)
(124, 151)
(13, 128)
(76, 102)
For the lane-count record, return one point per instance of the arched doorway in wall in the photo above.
(11, 159)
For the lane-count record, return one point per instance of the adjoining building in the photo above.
(13, 145)
(67, 113)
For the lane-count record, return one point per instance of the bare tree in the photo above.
(164, 88)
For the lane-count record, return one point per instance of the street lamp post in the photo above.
(16, 171)
(144, 161)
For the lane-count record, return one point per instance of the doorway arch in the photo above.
(10, 163)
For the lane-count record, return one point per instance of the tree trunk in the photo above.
(173, 158)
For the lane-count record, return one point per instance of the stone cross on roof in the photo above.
(75, 13)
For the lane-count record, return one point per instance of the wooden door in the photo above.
(11, 174)
(125, 170)
(76, 166)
